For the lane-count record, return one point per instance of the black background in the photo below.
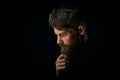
(28, 44)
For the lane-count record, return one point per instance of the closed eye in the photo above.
(62, 34)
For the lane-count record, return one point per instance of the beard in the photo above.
(69, 49)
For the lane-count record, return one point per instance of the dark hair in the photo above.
(66, 18)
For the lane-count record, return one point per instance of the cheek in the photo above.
(68, 40)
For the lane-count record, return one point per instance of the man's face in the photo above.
(66, 39)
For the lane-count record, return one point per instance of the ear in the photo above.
(81, 29)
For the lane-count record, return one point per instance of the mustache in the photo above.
(62, 46)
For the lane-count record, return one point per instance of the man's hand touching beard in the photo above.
(62, 61)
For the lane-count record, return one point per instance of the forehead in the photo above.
(59, 31)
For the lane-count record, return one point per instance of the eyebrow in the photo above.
(61, 33)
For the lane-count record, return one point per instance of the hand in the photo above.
(61, 63)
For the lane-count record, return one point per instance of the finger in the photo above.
(61, 67)
(62, 56)
(60, 64)
(60, 60)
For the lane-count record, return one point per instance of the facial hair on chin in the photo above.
(67, 50)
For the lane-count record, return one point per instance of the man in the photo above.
(69, 26)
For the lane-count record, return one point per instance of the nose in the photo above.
(59, 41)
